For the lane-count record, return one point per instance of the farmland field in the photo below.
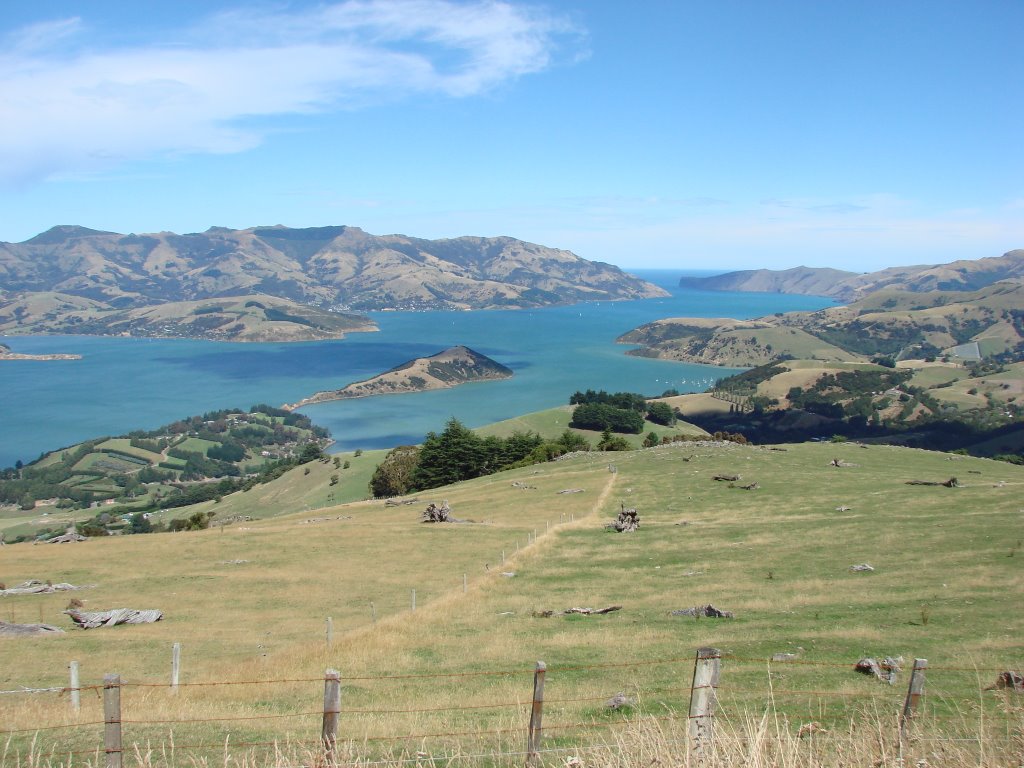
(249, 602)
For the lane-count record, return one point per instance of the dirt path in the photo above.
(605, 493)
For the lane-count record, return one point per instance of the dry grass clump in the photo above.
(765, 740)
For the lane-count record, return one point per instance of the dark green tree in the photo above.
(393, 476)
(661, 413)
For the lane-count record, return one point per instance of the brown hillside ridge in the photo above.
(964, 275)
(335, 267)
(962, 324)
(450, 368)
(254, 317)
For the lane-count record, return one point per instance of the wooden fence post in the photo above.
(373, 612)
(175, 666)
(465, 584)
(332, 710)
(112, 719)
(74, 688)
(914, 693)
(536, 714)
(706, 669)
(414, 600)
(330, 631)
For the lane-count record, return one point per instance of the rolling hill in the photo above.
(248, 604)
(964, 275)
(901, 324)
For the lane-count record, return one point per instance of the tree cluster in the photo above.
(458, 453)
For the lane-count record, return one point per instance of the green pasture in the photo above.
(933, 375)
(124, 445)
(297, 490)
(553, 422)
(196, 445)
(104, 464)
(948, 571)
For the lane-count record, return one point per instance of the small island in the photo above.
(7, 354)
(450, 368)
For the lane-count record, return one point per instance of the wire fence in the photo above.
(574, 712)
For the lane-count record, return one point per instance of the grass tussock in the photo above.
(765, 739)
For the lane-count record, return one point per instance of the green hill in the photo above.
(249, 603)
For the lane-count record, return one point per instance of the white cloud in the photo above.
(71, 109)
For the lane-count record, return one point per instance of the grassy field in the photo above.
(124, 445)
(297, 490)
(551, 423)
(948, 562)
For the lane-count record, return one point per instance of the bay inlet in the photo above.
(121, 384)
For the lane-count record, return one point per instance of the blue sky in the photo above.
(675, 134)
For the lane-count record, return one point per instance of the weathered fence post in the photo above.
(465, 584)
(175, 666)
(332, 710)
(112, 719)
(706, 669)
(73, 687)
(414, 600)
(536, 714)
(330, 631)
(503, 557)
(914, 693)
(373, 612)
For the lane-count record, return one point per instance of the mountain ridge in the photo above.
(961, 275)
(336, 266)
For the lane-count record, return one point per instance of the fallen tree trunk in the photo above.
(94, 619)
(592, 611)
(951, 483)
(70, 536)
(8, 629)
(37, 587)
(708, 611)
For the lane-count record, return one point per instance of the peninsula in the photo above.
(450, 368)
(7, 354)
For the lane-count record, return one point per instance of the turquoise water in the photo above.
(124, 384)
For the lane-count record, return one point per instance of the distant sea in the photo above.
(122, 384)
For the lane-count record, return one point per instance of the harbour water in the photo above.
(121, 384)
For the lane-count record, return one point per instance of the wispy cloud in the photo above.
(70, 108)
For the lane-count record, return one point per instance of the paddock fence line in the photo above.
(527, 725)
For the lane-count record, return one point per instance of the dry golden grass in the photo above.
(945, 588)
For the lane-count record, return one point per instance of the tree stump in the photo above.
(437, 514)
(627, 521)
